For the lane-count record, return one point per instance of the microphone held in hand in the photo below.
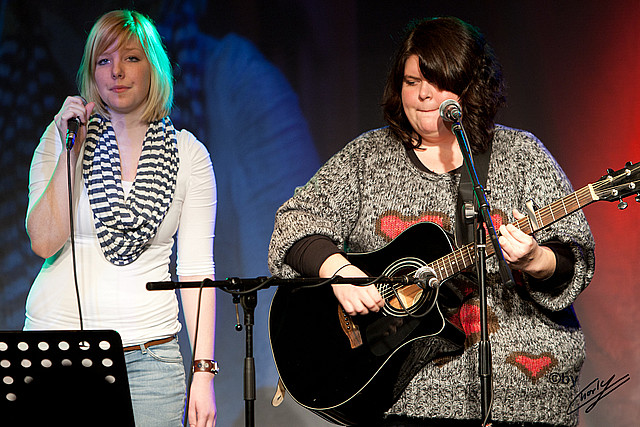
(72, 127)
(450, 111)
(72, 131)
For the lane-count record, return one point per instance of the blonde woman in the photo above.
(137, 182)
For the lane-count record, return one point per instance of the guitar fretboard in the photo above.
(464, 257)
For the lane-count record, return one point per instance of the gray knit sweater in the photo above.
(370, 191)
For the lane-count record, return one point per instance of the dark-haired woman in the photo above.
(390, 178)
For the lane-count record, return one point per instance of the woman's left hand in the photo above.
(522, 252)
(202, 403)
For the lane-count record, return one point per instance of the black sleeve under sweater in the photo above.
(307, 254)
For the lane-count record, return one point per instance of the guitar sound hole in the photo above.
(403, 300)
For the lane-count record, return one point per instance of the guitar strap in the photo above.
(465, 207)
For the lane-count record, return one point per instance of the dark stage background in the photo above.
(273, 88)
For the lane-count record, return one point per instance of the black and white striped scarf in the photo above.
(125, 226)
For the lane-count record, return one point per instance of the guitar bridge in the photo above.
(350, 329)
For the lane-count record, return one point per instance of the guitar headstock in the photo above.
(616, 185)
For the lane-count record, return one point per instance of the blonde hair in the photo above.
(122, 26)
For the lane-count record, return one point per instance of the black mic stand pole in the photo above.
(249, 301)
(484, 225)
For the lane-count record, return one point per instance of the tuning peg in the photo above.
(638, 198)
(622, 205)
(610, 171)
(628, 164)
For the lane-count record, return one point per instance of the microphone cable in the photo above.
(185, 415)
(71, 137)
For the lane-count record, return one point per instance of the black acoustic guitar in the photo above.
(350, 370)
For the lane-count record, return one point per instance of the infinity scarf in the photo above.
(125, 227)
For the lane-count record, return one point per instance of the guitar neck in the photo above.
(464, 257)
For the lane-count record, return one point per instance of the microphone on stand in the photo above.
(450, 110)
(426, 276)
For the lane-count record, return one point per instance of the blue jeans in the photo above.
(157, 383)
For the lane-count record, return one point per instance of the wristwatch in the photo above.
(206, 365)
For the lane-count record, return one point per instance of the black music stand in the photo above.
(70, 377)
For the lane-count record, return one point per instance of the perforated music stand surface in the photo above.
(74, 377)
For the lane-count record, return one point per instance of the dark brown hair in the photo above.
(454, 56)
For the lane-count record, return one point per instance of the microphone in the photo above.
(426, 276)
(450, 110)
(73, 125)
(72, 131)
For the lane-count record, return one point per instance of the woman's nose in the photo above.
(425, 91)
(116, 70)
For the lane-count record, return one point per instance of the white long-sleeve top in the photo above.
(115, 297)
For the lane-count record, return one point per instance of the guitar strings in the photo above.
(545, 216)
(394, 292)
(417, 316)
(450, 264)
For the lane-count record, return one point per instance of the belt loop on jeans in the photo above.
(149, 344)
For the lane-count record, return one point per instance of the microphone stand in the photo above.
(484, 226)
(249, 301)
(246, 290)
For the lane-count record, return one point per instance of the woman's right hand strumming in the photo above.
(354, 299)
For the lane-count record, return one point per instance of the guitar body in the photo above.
(350, 370)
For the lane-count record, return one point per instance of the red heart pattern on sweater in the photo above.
(469, 315)
(470, 319)
(391, 224)
(534, 366)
